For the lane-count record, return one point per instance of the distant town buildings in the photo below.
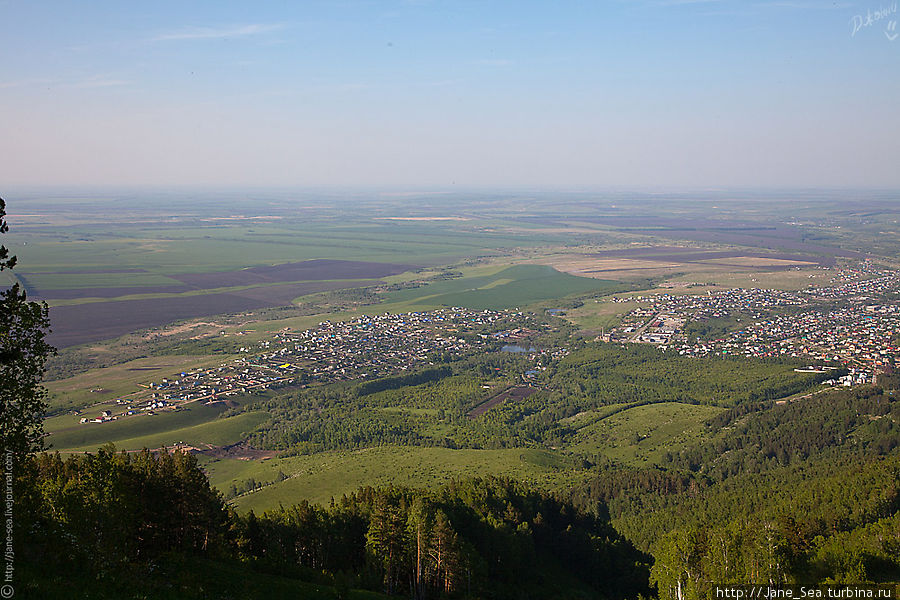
(365, 347)
(854, 322)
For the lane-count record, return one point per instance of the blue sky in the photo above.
(643, 93)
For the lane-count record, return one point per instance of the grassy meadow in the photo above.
(634, 437)
(643, 434)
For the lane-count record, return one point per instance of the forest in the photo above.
(120, 525)
(807, 492)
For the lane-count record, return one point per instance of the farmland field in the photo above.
(169, 264)
(511, 287)
(221, 259)
(91, 285)
(88, 322)
(136, 271)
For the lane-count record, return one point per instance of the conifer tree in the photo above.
(23, 352)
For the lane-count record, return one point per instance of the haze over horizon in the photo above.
(646, 93)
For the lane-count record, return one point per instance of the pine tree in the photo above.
(444, 552)
(23, 352)
(385, 538)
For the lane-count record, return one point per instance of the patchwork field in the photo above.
(75, 324)
(480, 288)
(498, 289)
(67, 286)
(218, 258)
(666, 261)
(771, 236)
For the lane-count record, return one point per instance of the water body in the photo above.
(516, 349)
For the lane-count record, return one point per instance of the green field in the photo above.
(53, 281)
(320, 477)
(58, 259)
(497, 289)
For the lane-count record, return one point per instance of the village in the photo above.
(363, 348)
(853, 322)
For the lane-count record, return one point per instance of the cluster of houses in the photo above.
(131, 409)
(365, 347)
(853, 321)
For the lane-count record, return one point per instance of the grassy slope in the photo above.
(635, 436)
(197, 425)
(320, 477)
(642, 434)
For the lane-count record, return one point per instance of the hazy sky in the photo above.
(629, 92)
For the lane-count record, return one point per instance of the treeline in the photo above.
(118, 525)
(834, 494)
(480, 537)
(831, 521)
(691, 562)
(837, 439)
(837, 522)
(93, 525)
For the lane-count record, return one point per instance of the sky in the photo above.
(420, 93)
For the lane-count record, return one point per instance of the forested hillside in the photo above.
(146, 525)
(805, 492)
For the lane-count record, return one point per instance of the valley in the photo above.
(566, 353)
